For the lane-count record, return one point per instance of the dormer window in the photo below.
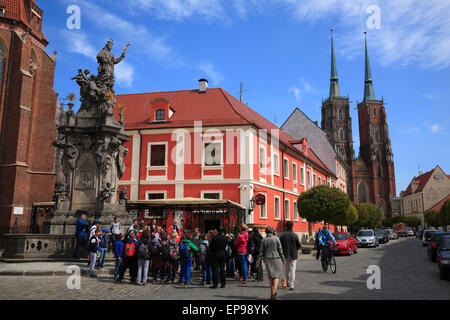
(160, 115)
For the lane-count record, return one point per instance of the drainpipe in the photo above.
(140, 157)
(284, 192)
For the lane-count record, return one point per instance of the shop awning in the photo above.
(186, 204)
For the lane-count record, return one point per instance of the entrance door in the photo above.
(211, 225)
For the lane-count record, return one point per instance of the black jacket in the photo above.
(217, 247)
(291, 244)
(257, 239)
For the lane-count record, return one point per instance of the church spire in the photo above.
(369, 93)
(334, 82)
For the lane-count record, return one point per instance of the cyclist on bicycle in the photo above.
(325, 239)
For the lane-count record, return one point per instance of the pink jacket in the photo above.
(241, 242)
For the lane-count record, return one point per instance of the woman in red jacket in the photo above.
(241, 246)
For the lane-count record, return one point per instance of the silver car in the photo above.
(366, 238)
(392, 234)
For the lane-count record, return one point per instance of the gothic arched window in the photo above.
(380, 190)
(341, 134)
(363, 192)
(379, 171)
(340, 114)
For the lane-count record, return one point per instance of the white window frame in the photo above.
(155, 192)
(220, 166)
(314, 181)
(220, 192)
(294, 172)
(261, 217)
(320, 181)
(286, 172)
(149, 155)
(308, 179)
(287, 209)
(264, 169)
(275, 208)
(295, 208)
(276, 164)
(302, 176)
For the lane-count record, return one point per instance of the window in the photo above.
(302, 175)
(287, 214)
(211, 195)
(308, 179)
(262, 158)
(263, 211)
(294, 172)
(320, 181)
(380, 190)
(212, 154)
(277, 208)
(156, 195)
(341, 134)
(379, 171)
(374, 113)
(158, 155)
(276, 164)
(314, 182)
(340, 114)
(286, 168)
(295, 211)
(160, 115)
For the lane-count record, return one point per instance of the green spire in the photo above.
(334, 81)
(369, 93)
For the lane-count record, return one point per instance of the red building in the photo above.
(27, 114)
(207, 144)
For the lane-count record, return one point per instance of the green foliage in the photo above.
(432, 219)
(370, 215)
(325, 203)
(444, 214)
(387, 222)
(351, 215)
(412, 221)
(398, 219)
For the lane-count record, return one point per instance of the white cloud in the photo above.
(210, 70)
(412, 31)
(299, 90)
(435, 128)
(79, 43)
(124, 74)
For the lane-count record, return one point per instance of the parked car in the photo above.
(346, 243)
(367, 238)
(410, 233)
(427, 237)
(392, 235)
(435, 242)
(382, 236)
(443, 257)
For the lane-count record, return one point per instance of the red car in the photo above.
(346, 243)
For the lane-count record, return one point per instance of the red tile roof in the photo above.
(439, 205)
(216, 107)
(421, 180)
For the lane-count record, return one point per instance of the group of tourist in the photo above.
(163, 253)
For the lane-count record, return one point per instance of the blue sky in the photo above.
(280, 49)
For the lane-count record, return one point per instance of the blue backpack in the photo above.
(184, 250)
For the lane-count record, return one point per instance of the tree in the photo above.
(370, 215)
(444, 214)
(351, 215)
(412, 221)
(325, 203)
(387, 222)
(432, 218)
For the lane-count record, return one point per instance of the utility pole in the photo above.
(241, 92)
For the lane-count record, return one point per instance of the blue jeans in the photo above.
(325, 249)
(206, 272)
(231, 267)
(244, 269)
(185, 272)
(103, 255)
(117, 268)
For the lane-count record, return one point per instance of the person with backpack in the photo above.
(173, 257)
(241, 245)
(103, 248)
(94, 243)
(155, 256)
(118, 252)
(95, 226)
(143, 255)
(203, 256)
(186, 249)
(130, 258)
(80, 234)
(217, 252)
(131, 229)
(250, 254)
(230, 256)
(164, 254)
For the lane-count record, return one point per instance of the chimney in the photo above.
(203, 85)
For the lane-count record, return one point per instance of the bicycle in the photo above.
(331, 261)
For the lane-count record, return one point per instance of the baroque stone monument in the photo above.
(93, 152)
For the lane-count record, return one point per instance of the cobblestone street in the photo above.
(406, 273)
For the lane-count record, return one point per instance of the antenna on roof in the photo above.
(241, 92)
